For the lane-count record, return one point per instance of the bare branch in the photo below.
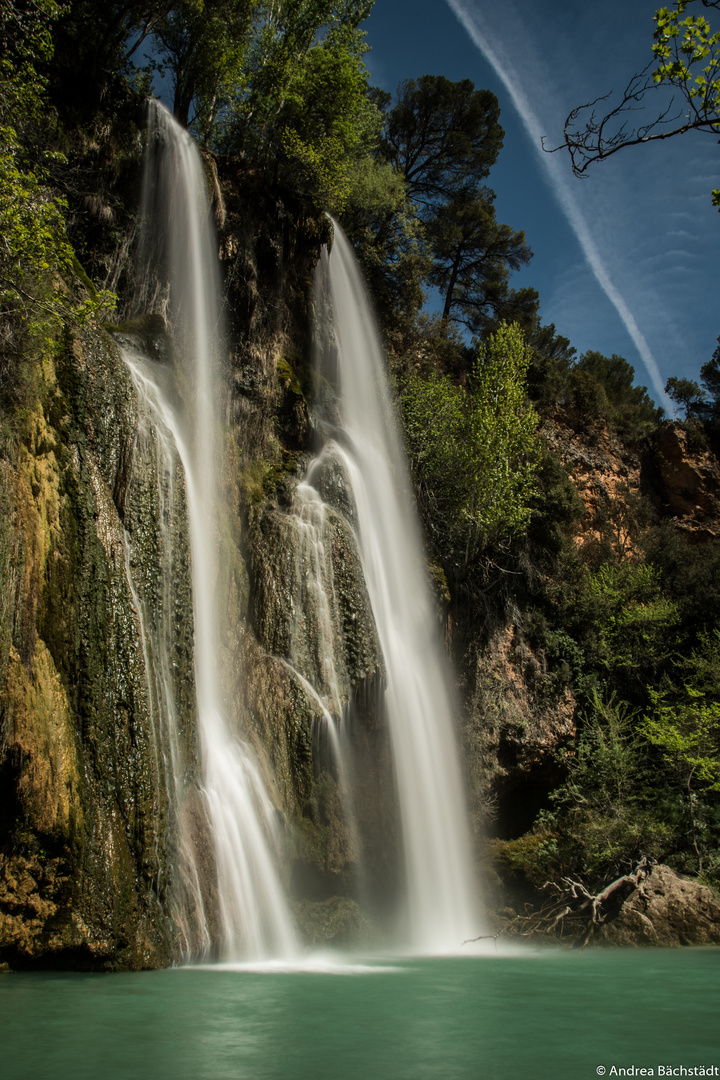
(590, 137)
(572, 911)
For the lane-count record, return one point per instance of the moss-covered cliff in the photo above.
(85, 823)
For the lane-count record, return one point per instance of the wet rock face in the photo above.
(309, 600)
(85, 825)
(666, 910)
(269, 247)
(315, 629)
(338, 922)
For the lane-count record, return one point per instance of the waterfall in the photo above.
(180, 276)
(153, 596)
(439, 911)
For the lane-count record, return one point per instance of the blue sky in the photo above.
(624, 261)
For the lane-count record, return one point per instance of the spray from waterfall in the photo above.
(181, 278)
(439, 906)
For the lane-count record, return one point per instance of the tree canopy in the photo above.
(472, 258)
(202, 45)
(443, 137)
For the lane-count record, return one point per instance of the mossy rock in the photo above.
(338, 921)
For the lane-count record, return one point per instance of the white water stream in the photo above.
(253, 918)
(440, 910)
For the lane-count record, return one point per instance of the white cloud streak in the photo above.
(561, 187)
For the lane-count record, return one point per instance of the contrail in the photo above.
(562, 190)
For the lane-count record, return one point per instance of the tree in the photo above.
(388, 239)
(303, 106)
(710, 378)
(36, 259)
(474, 453)
(472, 257)
(442, 137)
(688, 394)
(684, 724)
(629, 622)
(329, 125)
(93, 48)
(552, 359)
(687, 61)
(202, 44)
(603, 387)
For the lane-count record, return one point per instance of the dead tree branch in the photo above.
(571, 910)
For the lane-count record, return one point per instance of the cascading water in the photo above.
(440, 901)
(313, 645)
(181, 272)
(155, 602)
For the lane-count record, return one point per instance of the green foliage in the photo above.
(604, 814)
(645, 775)
(689, 575)
(303, 105)
(36, 259)
(34, 244)
(688, 59)
(504, 425)
(687, 393)
(630, 619)
(603, 772)
(688, 734)
(710, 376)
(684, 722)
(443, 137)
(706, 402)
(329, 126)
(557, 509)
(535, 857)
(434, 421)
(26, 34)
(552, 359)
(474, 453)
(602, 387)
(388, 238)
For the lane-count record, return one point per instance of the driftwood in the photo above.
(571, 909)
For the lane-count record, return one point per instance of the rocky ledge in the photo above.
(665, 909)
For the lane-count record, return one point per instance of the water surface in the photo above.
(538, 1015)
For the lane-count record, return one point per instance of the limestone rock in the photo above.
(690, 477)
(667, 910)
(514, 734)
